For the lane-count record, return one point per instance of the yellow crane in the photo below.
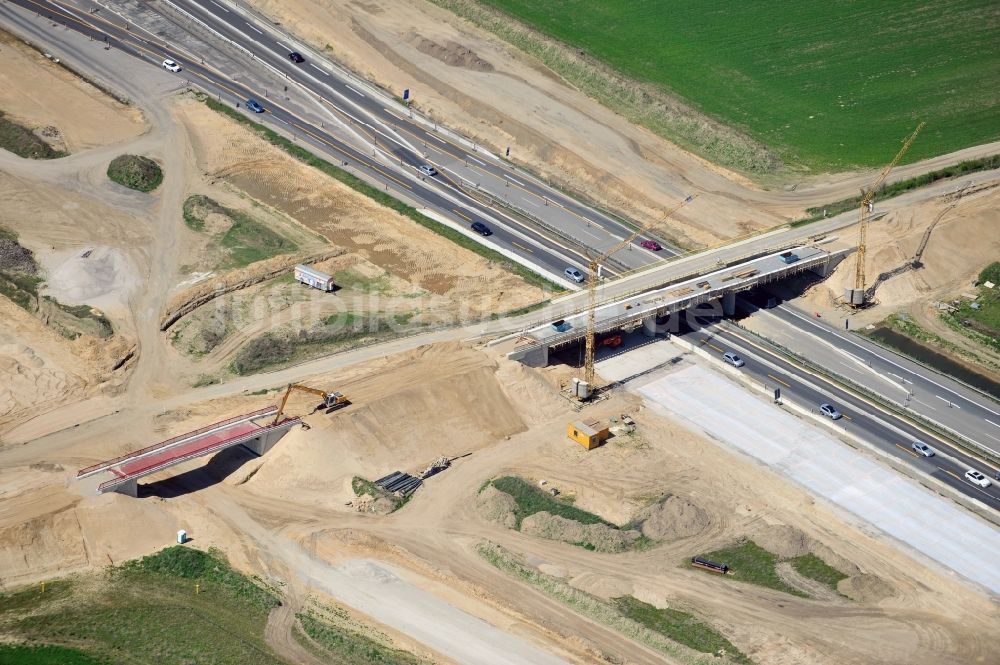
(592, 279)
(856, 296)
(329, 399)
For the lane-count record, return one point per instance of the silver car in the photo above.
(733, 359)
(574, 275)
(830, 412)
(922, 448)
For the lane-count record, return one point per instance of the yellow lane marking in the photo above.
(461, 214)
(951, 473)
(847, 416)
(779, 380)
(715, 347)
(517, 244)
(907, 450)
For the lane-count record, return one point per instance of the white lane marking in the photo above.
(950, 403)
(356, 92)
(992, 437)
(219, 6)
(254, 29)
(515, 181)
(475, 160)
(991, 422)
(441, 141)
(897, 376)
(283, 46)
(835, 334)
(319, 69)
(280, 120)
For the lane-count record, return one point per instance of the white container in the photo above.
(182, 536)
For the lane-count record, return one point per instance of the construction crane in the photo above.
(592, 279)
(329, 399)
(856, 296)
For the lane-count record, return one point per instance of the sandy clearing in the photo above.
(40, 93)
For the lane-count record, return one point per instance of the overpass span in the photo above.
(647, 308)
(252, 430)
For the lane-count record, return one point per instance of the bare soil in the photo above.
(67, 112)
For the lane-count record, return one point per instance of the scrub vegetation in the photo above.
(135, 172)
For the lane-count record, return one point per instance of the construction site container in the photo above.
(314, 278)
(588, 435)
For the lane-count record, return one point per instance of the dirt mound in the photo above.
(783, 540)
(537, 400)
(497, 506)
(405, 412)
(598, 537)
(674, 518)
(865, 588)
(15, 258)
(452, 53)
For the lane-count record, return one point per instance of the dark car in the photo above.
(481, 229)
(295, 56)
(651, 245)
(255, 106)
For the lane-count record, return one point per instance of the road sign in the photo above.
(406, 94)
(777, 394)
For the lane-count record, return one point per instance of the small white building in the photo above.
(314, 278)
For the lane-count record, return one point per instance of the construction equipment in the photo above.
(856, 296)
(330, 400)
(592, 279)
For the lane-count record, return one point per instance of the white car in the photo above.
(171, 66)
(733, 359)
(829, 411)
(977, 478)
(922, 448)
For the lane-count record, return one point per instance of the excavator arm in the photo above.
(335, 398)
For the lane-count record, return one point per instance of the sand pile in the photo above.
(865, 588)
(537, 400)
(674, 518)
(785, 541)
(497, 506)
(405, 412)
(598, 537)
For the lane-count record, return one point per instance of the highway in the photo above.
(471, 186)
(891, 434)
(922, 391)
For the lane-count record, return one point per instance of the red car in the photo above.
(651, 245)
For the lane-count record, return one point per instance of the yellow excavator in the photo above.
(330, 400)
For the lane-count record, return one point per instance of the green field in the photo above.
(828, 85)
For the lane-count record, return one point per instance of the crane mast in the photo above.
(594, 265)
(856, 296)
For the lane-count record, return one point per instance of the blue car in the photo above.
(255, 106)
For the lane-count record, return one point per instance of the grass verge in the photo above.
(148, 611)
(45, 654)
(246, 239)
(531, 500)
(681, 627)
(360, 186)
(23, 142)
(897, 188)
(135, 172)
(811, 566)
(589, 606)
(347, 647)
(981, 323)
(70, 321)
(749, 562)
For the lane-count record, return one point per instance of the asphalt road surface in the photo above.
(890, 433)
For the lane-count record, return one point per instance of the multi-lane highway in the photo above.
(376, 138)
(890, 433)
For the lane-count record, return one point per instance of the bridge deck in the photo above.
(675, 297)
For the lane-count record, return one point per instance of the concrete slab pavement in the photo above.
(895, 505)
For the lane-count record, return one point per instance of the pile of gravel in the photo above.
(16, 259)
(599, 537)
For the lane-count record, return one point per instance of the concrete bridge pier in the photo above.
(129, 488)
(656, 325)
(265, 441)
(729, 304)
(537, 357)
